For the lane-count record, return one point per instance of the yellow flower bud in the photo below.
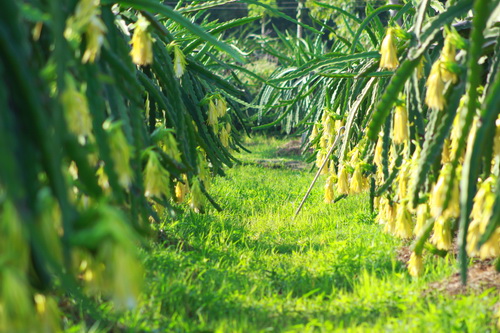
(423, 215)
(142, 43)
(221, 107)
(314, 132)
(213, 117)
(329, 193)
(403, 222)
(439, 192)
(76, 110)
(120, 153)
(400, 129)
(434, 97)
(181, 189)
(95, 38)
(156, 178)
(342, 184)
(388, 52)
(442, 236)
(448, 54)
(357, 180)
(179, 62)
(415, 265)
(197, 197)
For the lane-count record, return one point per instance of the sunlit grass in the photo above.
(253, 268)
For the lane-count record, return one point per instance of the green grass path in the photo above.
(252, 268)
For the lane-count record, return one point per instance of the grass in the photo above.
(253, 268)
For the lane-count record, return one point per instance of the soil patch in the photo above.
(480, 277)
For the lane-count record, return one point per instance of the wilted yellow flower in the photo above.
(402, 178)
(390, 215)
(181, 189)
(224, 135)
(445, 154)
(423, 215)
(356, 180)
(415, 265)
(156, 178)
(221, 106)
(95, 38)
(400, 129)
(314, 133)
(197, 197)
(439, 192)
(342, 184)
(76, 110)
(213, 114)
(481, 215)
(388, 52)
(403, 221)
(442, 236)
(434, 97)
(169, 146)
(203, 170)
(377, 157)
(120, 153)
(86, 20)
(179, 61)
(448, 55)
(142, 43)
(329, 193)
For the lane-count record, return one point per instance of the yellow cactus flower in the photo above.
(221, 106)
(197, 197)
(179, 62)
(181, 189)
(342, 183)
(87, 20)
(314, 133)
(481, 215)
(142, 43)
(356, 180)
(434, 97)
(329, 193)
(415, 265)
(95, 38)
(388, 52)
(400, 129)
(442, 236)
(439, 192)
(423, 215)
(448, 55)
(377, 157)
(170, 147)
(390, 218)
(213, 115)
(445, 155)
(403, 177)
(320, 158)
(224, 135)
(403, 221)
(76, 110)
(156, 178)
(120, 153)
